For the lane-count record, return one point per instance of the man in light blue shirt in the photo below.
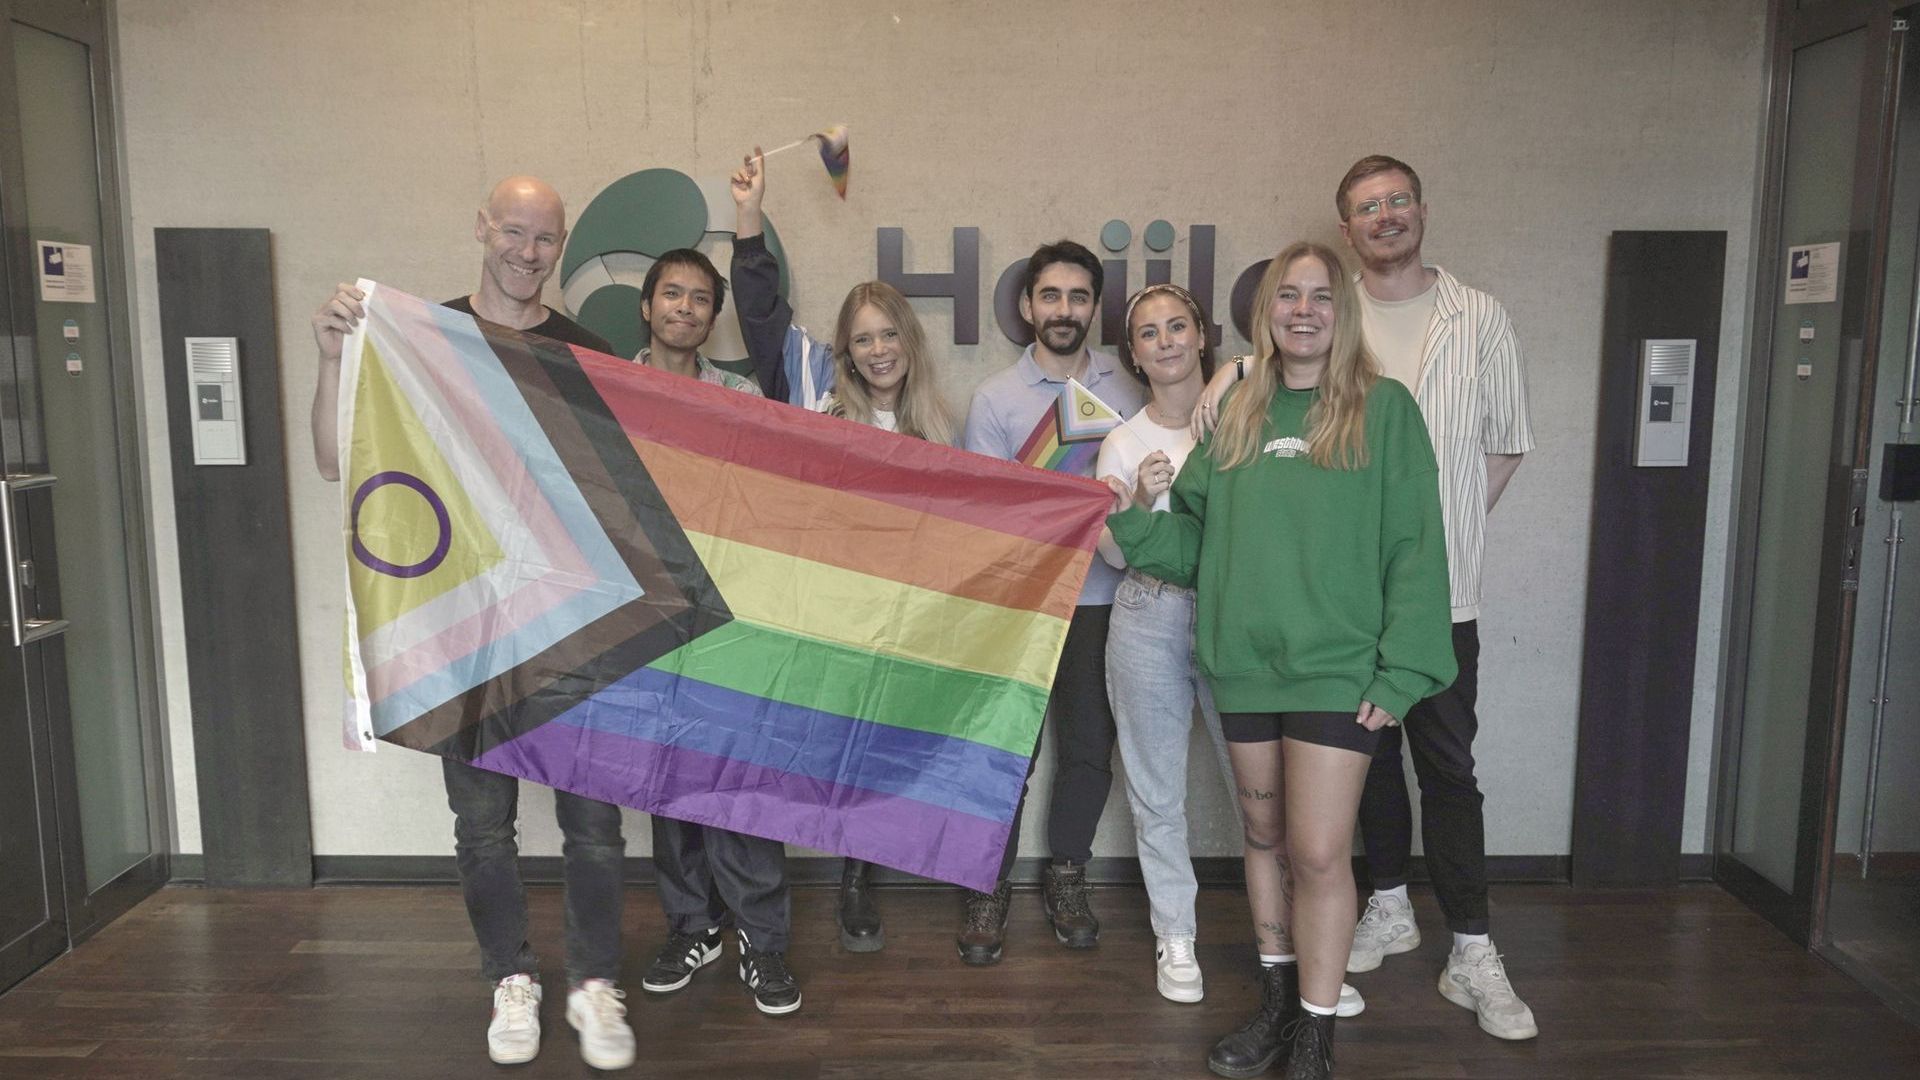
(1060, 292)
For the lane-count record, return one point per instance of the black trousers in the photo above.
(1083, 735)
(704, 872)
(1453, 830)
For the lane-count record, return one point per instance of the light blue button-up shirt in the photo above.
(1007, 406)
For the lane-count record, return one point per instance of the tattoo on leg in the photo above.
(1262, 796)
(1285, 866)
(1245, 792)
(1255, 844)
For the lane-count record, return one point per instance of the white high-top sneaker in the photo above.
(513, 1035)
(595, 1009)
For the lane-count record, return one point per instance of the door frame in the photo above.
(88, 23)
(1801, 912)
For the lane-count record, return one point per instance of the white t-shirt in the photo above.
(1396, 333)
(883, 419)
(1121, 453)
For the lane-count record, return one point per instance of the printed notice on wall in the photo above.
(66, 272)
(1813, 274)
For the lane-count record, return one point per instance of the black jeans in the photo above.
(1083, 735)
(704, 872)
(1453, 830)
(485, 807)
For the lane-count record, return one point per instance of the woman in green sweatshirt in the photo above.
(1309, 525)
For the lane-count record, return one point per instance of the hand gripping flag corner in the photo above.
(665, 594)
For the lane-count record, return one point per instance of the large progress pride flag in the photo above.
(688, 600)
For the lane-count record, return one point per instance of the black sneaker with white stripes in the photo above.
(677, 960)
(775, 991)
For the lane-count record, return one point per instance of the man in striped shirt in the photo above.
(1454, 347)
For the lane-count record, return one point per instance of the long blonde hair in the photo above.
(1337, 421)
(920, 411)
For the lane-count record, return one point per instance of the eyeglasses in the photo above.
(1398, 202)
(517, 236)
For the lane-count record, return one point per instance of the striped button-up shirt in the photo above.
(1473, 394)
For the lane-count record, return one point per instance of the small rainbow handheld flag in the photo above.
(1067, 438)
(669, 595)
(835, 156)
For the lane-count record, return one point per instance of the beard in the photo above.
(1076, 333)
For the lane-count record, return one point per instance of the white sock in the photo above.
(1270, 959)
(1461, 941)
(1315, 1009)
(1398, 892)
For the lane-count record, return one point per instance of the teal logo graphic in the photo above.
(630, 224)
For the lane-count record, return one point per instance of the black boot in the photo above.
(860, 929)
(1065, 890)
(1254, 1048)
(1309, 1047)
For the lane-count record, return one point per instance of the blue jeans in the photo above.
(485, 808)
(1153, 684)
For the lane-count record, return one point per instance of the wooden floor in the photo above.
(361, 984)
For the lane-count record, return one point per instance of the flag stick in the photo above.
(789, 146)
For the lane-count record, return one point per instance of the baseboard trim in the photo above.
(1106, 870)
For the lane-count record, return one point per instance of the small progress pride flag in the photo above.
(655, 592)
(1067, 438)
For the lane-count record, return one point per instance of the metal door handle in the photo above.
(25, 631)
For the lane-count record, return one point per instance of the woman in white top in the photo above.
(1151, 679)
(881, 375)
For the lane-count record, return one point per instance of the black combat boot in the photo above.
(860, 929)
(1254, 1048)
(1309, 1047)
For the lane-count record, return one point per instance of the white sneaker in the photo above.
(513, 1035)
(1386, 928)
(1177, 973)
(1351, 1003)
(1476, 979)
(594, 1010)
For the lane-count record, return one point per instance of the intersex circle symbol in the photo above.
(1086, 408)
(441, 546)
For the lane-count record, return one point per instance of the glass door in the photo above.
(1874, 889)
(78, 669)
(1801, 513)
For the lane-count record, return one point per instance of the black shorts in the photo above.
(1335, 729)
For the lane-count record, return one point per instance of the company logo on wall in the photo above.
(634, 221)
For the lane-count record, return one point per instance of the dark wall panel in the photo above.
(236, 568)
(1643, 572)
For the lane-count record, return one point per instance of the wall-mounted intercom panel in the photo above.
(1664, 420)
(213, 381)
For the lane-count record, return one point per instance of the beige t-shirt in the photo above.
(1396, 333)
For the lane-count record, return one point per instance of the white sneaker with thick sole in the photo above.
(1351, 1003)
(597, 1011)
(1386, 928)
(513, 1035)
(1176, 971)
(1476, 979)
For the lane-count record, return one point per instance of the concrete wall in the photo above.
(365, 134)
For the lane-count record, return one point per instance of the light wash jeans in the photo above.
(1153, 685)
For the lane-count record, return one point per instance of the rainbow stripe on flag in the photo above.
(836, 156)
(1067, 438)
(669, 595)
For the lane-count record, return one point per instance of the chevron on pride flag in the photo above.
(665, 594)
(1067, 438)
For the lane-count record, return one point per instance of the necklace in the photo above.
(1158, 417)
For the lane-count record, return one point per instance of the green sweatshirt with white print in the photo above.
(1317, 588)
